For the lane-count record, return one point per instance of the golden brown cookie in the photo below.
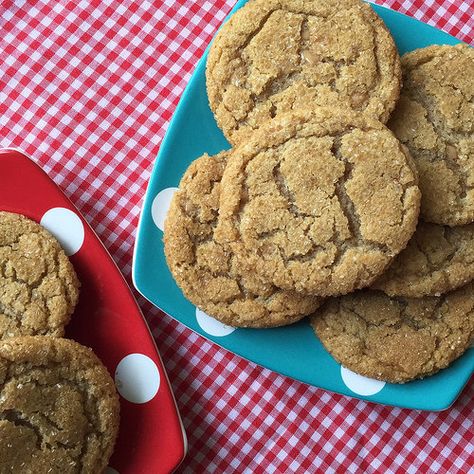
(274, 56)
(38, 286)
(437, 259)
(321, 200)
(59, 411)
(396, 339)
(435, 120)
(209, 274)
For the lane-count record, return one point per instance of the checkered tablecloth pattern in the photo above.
(87, 88)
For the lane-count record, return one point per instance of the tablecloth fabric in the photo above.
(87, 88)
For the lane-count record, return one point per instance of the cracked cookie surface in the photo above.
(321, 200)
(437, 259)
(59, 410)
(39, 288)
(210, 275)
(396, 339)
(435, 120)
(274, 56)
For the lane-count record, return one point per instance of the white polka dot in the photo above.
(160, 206)
(66, 226)
(211, 325)
(110, 470)
(137, 378)
(360, 384)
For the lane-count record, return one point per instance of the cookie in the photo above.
(396, 339)
(437, 259)
(321, 201)
(211, 275)
(435, 120)
(39, 288)
(274, 56)
(59, 411)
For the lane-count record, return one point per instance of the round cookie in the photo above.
(437, 259)
(39, 288)
(59, 411)
(321, 200)
(435, 120)
(274, 56)
(211, 275)
(396, 339)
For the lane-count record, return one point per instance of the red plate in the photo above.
(108, 319)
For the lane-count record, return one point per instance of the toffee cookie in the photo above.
(396, 339)
(211, 275)
(59, 411)
(274, 56)
(437, 259)
(38, 286)
(435, 120)
(321, 200)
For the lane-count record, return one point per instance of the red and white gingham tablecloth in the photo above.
(87, 88)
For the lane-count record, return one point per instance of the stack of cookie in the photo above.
(317, 196)
(59, 410)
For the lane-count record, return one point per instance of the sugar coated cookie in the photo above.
(39, 288)
(210, 274)
(435, 120)
(321, 200)
(59, 410)
(273, 56)
(396, 339)
(437, 259)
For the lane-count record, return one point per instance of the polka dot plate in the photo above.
(292, 350)
(108, 319)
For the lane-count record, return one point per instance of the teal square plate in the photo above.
(293, 350)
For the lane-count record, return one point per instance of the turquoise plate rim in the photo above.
(184, 141)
